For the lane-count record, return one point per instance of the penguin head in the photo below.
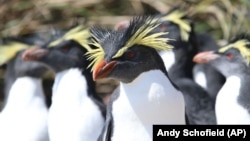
(123, 55)
(12, 45)
(33, 69)
(64, 52)
(13, 48)
(233, 58)
(177, 23)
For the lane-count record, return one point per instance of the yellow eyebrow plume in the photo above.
(143, 37)
(9, 51)
(184, 24)
(79, 34)
(96, 55)
(241, 45)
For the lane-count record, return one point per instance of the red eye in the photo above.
(229, 56)
(65, 48)
(130, 54)
(163, 27)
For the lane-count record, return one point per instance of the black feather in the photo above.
(100, 33)
(240, 36)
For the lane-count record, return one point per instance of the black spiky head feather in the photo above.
(55, 34)
(139, 32)
(241, 42)
(34, 38)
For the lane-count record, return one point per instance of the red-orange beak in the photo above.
(103, 69)
(205, 57)
(33, 53)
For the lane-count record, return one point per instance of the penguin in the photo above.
(25, 113)
(232, 60)
(14, 44)
(145, 95)
(180, 28)
(179, 64)
(76, 113)
(9, 50)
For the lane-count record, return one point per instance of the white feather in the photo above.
(228, 110)
(24, 118)
(200, 78)
(73, 115)
(168, 58)
(149, 99)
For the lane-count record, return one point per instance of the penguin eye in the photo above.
(130, 54)
(65, 48)
(163, 27)
(229, 56)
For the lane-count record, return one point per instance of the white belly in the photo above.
(228, 110)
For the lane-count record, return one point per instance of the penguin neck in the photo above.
(26, 92)
(183, 66)
(229, 107)
(178, 62)
(147, 100)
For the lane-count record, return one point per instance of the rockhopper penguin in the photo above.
(76, 113)
(232, 60)
(146, 95)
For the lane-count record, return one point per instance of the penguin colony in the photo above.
(167, 74)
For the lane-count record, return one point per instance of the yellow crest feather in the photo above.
(79, 34)
(9, 51)
(184, 25)
(141, 37)
(96, 55)
(241, 45)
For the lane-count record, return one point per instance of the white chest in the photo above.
(25, 115)
(146, 101)
(228, 110)
(73, 115)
